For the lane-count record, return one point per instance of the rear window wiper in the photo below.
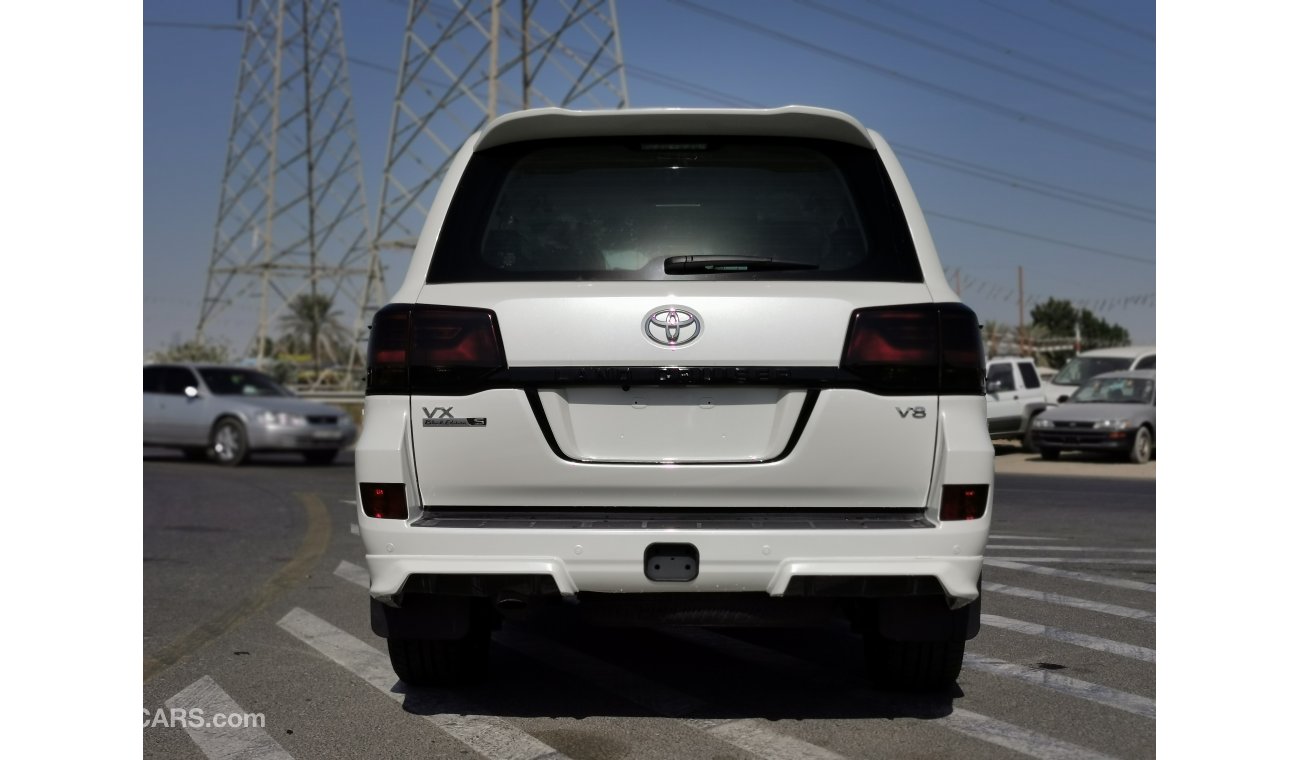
(707, 264)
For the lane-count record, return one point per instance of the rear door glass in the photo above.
(1027, 374)
(633, 209)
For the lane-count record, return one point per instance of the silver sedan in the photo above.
(226, 412)
(1114, 412)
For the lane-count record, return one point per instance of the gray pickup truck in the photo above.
(1015, 397)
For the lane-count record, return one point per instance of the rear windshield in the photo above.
(675, 209)
(1081, 368)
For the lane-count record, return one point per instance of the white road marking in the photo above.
(1072, 574)
(747, 734)
(1009, 537)
(760, 741)
(963, 721)
(354, 573)
(487, 735)
(1104, 695)
(1071, 601)
(356, 529)
(1018, 547)
(1132, 651)
(226, 743)
(1015, 738)
(1083, 560)
(757, 739)
(353, 502)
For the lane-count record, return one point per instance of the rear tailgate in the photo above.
(593, 412)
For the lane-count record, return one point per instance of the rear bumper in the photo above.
(730, 561)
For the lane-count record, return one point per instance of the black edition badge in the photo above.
(441, 416)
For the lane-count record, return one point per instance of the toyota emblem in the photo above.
(672, 326)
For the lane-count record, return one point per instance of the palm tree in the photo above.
(311, 326)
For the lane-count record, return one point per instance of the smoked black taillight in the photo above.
(386, 354)
(384, 500)
(416, 348)
(916, 349)
(962, 369)
(963, 502)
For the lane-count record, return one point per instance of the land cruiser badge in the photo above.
(441, 416)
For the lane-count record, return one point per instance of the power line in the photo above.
(196, 25)
(1025, 184)
(961, 166)
(975, 61)
(1107, 20)
(987, 173)
(1038, 183)
(1042, 238)
(1067, 32)
(995, 291)
(692, 88)
(239, 28)
(1002, 49)
(1023, 117)
(369, 65)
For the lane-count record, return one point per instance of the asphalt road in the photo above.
(253, 605)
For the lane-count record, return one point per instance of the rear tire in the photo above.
(449, 662)
(1050, 455)
(323, 456)
(913, 665)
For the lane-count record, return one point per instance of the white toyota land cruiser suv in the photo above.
(675, 367)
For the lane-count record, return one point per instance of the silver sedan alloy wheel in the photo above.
(228, 443)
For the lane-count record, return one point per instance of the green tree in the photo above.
(312, 327)
(193, 350)
(1056, 319)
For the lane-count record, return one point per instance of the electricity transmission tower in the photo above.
(292, 220)
(463, 63)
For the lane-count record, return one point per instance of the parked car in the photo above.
(1015, 398)
(1094, 362)
(1114, 411)
(226, 413)
(675, 367)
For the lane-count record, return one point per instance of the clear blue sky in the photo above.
(1091, 62)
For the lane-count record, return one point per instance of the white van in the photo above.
(1089, 363)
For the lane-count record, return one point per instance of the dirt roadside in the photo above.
(1012, 460)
